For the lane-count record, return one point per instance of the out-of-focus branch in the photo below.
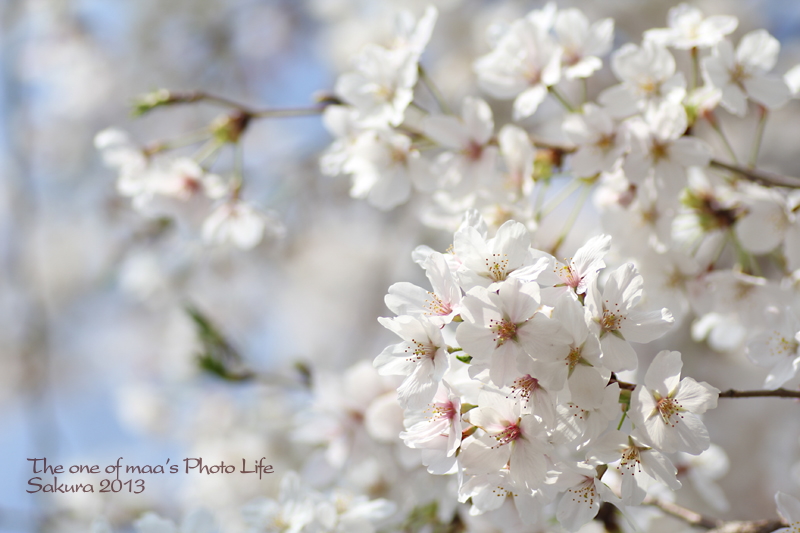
(690, 517)
(777, 393)
(759, 176)
(165, 97)
(714, 525)
(756, 526)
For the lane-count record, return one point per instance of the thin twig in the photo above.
(755, 526)
(725, 142)
(189, 97)
(690, 517)
(560, 97)
(434, 89)
(777, 393)
(762, 123)
(758, 176)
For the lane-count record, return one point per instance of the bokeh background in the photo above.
(97, 353)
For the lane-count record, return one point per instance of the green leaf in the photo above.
(217, 356)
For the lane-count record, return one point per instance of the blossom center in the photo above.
(474, 151)
(569, 276)
(437, 306)
(659, 151)
(190, 186)
(739, 74)
(610, 321)
(784, 346)
(573, 358)
(419, 350)
(631, 461)
(443, 411)
(668, 408)
(505, 330)
(606, 142)
(584, 493)
(509, 434)
(497, 266)
(525, 386)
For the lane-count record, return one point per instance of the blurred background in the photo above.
(98, 356)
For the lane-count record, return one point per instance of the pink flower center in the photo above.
(509, 434)
(505, 330)
(444, 411)
(525, 386)
(437, 306)
(418, 351)
(569, 276)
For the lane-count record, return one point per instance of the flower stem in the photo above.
(563, 194)
(622, 419)
(560, 97)
(541, 192)
(437, 94)
(207, 150)
(762, 123)
(573, 216)
(717, 128)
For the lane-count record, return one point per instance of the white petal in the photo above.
(771, 92)
(697, 397)
(758, 49)
(528, 101)
(664, 373)
(788, 507)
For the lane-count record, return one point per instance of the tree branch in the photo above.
(758, 176)
(777, 393)
(690, 517)
(756, 526)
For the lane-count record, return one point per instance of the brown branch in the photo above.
(164, 97)
(690, 517)
(769, 179)
(714, 525)
(623, 385)
(777, 393)
(756, 526)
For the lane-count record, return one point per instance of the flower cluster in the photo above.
(183, 190)
(516, 375)
(509, 365)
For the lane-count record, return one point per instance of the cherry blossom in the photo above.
(688, 28)
(789, 509)
(505, 332)
(648, 77)
(440, 305)
(743, 73)
(524, 63)
(617, 321)
(778, 349)
(582, 44)
(422, 358)
(518, 441)
(666, 407)
(241, 224)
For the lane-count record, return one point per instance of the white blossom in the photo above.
(743, 73)
(665, 409)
